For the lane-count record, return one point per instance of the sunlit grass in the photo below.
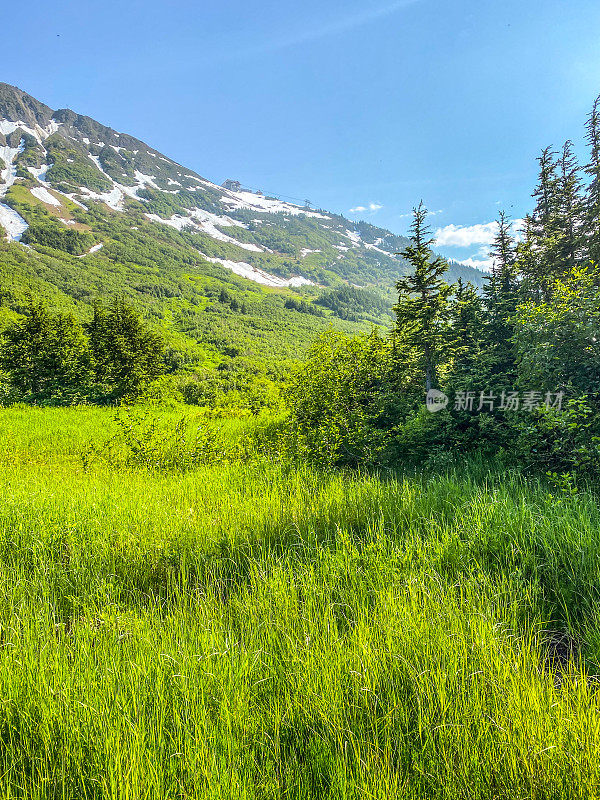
(267, 631)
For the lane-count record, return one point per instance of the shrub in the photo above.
(337, 397)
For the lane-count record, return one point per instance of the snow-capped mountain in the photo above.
(62, 172)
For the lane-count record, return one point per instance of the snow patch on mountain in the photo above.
(251, 273)
(96, 160)
(14, 225)
(176, 221)
(299, 280)
(44, 195)
(216, 219)
(260, 203)
(145, 180)
(39, 134)
(378, 249)
(39, 172)
(206, 222)
(93, 249)
(113, 199)
(9, 173)
(354, 238)
(73, 199)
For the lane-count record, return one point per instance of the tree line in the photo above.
(513, 371)
(52, 358)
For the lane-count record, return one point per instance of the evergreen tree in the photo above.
(46, 357)
(570, 248)
(592, 199)
(125, 354)
(466, 319)
(528, 262)
(543, 225)
(546, 193)
(501, 297)
(504, 251)
(422, 313)
(554, 233)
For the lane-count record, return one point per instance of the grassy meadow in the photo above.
(264, 630)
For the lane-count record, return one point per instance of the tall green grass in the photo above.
(264, 630)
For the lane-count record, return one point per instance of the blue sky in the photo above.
(353, 105)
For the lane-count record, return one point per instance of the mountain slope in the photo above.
(88, 212)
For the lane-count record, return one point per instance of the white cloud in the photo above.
(468, 235)
(370, 207)
(429, 213)
(484, 264)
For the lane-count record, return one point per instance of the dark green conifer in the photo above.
(422, 312)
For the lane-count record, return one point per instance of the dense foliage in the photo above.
(514, 370)
(51, 358)
(49, 235)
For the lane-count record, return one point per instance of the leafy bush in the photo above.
(338, 396)
(153, 440)
(144, 439)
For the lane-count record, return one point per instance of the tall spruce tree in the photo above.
(466, 320)
(422, 311)
(46, 357)
(544, 228)
(501, 297)
(503, 254)
(570, 245)
(528, 262)
(125, 353)
(555, 240)
(545, 193)
(592, 169)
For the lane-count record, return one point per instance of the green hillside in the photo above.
(224, 274)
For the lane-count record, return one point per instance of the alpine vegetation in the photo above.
(289, 506)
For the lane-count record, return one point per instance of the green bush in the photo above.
(50, 234)
(338, 396)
